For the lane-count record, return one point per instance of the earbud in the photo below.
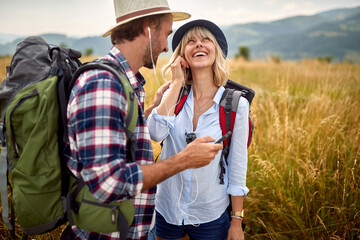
(149, 32)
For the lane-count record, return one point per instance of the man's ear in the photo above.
(146, 30)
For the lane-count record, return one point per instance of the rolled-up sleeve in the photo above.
(159, 125)
(238, 155)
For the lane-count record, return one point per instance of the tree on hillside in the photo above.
(64, 45)
(244, 52)
(275, 58)
(326, 59)
(88, 51)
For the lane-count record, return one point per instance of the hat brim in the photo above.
(177, 16)
(212, 27)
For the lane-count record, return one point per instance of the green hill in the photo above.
(337, 39)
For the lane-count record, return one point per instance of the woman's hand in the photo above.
(178, 70)
(235, 231)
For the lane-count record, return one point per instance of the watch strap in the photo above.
(237, 213)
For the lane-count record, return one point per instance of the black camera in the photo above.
(190, 137)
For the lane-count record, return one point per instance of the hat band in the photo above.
(141, 12)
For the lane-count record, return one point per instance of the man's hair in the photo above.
(220, 66)
(129, 31)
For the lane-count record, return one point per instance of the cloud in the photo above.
(237, 15)
(271, 2)
(309, 4)
(289, 6)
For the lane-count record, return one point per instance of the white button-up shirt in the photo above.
(195, 195)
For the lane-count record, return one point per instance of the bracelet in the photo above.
(237, 217)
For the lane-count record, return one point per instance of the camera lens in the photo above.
(190, 137)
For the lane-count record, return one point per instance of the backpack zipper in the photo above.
(113, 208)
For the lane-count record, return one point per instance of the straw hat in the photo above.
(128, 10)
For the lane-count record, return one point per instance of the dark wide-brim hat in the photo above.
(212, 27)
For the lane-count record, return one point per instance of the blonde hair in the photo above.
(220, 66)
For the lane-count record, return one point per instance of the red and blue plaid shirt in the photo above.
(96, 113)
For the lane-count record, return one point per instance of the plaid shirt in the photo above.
(96, 112)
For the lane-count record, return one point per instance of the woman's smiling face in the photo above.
(199, 51)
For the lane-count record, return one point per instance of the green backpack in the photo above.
(33, 102)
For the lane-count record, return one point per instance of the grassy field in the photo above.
(304, 161)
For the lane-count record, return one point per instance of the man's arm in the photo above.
(197, 154)
(157, 99)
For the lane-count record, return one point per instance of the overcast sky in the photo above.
(94, 17)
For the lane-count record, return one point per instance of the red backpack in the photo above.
(227, 113)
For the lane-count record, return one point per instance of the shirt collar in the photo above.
(135, 79)
(218, 95)
(216, 99)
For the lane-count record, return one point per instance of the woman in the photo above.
(194, 202)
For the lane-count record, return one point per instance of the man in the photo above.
(96, 113)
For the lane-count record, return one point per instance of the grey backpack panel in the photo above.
(28, 66)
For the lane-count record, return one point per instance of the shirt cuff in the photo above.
(140, 184)
(235, 190)
(166, 120)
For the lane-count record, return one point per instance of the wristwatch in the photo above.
(237, 213)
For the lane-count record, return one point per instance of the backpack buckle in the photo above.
(2, 138)
(244, 92)
(8, 70)
(228, 99)
(55, 71)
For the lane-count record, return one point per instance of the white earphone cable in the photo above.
(176, 150)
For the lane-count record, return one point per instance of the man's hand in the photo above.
(197, 154)
(159, 93)
(200, 152)
(157, 98)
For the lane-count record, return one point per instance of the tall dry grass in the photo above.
(303, 171)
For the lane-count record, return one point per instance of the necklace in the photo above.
(199, 110)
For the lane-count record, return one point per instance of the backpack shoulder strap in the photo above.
(64, 64)
(184, 92)
(248, 94)
(227, 114)
(124, 218)
(107, 65)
